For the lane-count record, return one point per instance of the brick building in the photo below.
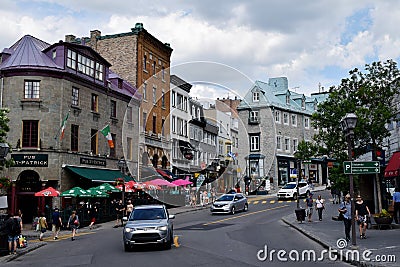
(45, 85)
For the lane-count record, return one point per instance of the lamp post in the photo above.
(122, 166)
(4, 148)
(348, 123)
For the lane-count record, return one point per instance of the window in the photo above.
(95, 99)
(254, 143)
(287, 144)
(185, 103)
(154, 124)
(129, 148)
(287, 99)
(30, 133)
(306, 123)
(86, 65)
(163, 99)
(162, 127)
(277, 116)
(75, 96)
(54, 54)
(198, 113)
(129, 115)
(74, 137)
(294, 120)
(179, 126)
(32, 89)
(144, 121)
(193, 111)
(163, 73)
(179, 101)
(173, 99)
(173, 124)
(294, 141)
(145, 63)
(254, 116)
(144, 91)
(285, 118)
(279, 142)
(113, 150)
(71, 59)
(154, 68)
(256, 96)
(99, 71)
(154, 95)
(93, 141)
(113, 109)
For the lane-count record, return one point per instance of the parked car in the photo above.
(230, 203)
(290, 190)
(148, 224)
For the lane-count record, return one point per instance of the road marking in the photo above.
(243, 215)
(272, 201)
(255, 202)
(280, 201)
(264, 202)
(176, 241)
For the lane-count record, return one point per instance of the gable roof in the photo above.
(27, 52)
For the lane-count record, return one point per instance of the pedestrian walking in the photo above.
(129, 208)
(310, 205)
(193, 199)
(12, 227)
(120, 213)
(73, 222)
(93, 215)
(57, 223)
(319, 206)
(345, 209)
(396, 205)
(42, 226)
(20, 216)
(361, 213)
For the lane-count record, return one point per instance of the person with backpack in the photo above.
(13, 229)
(42, 226)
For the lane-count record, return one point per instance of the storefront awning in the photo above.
(393, 167)
(97, 175)
(255, 156)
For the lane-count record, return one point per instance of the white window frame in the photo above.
(279, 142)
(285, 118)
(256, 96)
(295, 144)
(254, 115)
(286, 143)
(254, 143)
(277, 116)
(293, 119)
(306, 122)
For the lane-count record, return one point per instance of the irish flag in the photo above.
(63, 126)
(107, 134)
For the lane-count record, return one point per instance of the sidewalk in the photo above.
(383, 243)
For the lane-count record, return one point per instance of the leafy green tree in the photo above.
(370, 95)
(4, 129)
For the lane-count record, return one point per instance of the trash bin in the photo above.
(300, 214)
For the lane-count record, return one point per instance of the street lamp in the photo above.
(348, 123)
(122, 166)
(4, 149)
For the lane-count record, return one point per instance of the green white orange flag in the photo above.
(107, 134)
(63, 126)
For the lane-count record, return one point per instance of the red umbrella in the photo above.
(181, 182)
(48, 192)
(160, 182)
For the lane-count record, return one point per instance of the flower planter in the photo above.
(383, 221)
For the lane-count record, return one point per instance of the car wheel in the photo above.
(127, 248)
(169, 242)
(233, 210)
(295, 196)
(246, 207)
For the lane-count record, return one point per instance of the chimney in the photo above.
(70, 38)
(93, 38)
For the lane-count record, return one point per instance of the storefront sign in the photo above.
(30, 160)
(96, 162)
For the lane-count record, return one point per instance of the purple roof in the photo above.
(27, 53)
(127, 88)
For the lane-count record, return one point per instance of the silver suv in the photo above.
(148, 224)
(230, 203)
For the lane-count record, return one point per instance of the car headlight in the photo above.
(162, 228)
(128, 230)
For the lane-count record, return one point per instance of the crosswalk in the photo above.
(272, 201)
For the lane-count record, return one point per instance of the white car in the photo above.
(290, 190)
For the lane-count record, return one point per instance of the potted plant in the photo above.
(5, 183)
(383, 217)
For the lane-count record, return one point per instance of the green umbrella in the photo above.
(96, 192)
(108, 188)
(75, 192)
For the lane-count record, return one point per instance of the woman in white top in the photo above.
(319, 206)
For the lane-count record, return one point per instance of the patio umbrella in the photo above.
(128, 188)
(75, 192)
(160, 182)
(48, 192)
(95, 192)
(108, 188)
(181, 182)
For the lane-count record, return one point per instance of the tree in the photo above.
(4, 129)
(370, 96)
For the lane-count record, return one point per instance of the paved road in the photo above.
(203, 239)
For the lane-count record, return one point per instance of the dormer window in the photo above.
(256, 96)
(287, 99)
(303, 103)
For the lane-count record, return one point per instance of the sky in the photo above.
(223, 46)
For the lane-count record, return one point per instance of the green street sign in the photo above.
(361, 167)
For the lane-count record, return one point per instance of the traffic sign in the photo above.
(361, 167)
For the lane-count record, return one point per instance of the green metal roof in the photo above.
(98, 175)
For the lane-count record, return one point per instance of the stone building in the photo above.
(46, 86)
(273, 120)
(144, 61)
